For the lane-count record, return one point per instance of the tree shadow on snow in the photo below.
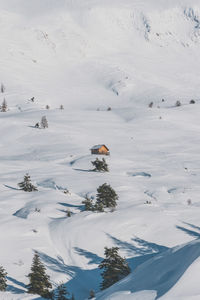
(81, 281)
(13, 289)
(12, 188)
(190, 232)
(83, 170)
(80, 207)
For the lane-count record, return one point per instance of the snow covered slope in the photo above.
(89, 55)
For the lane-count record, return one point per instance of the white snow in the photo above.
(89, 55)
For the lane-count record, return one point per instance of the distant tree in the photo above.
(44, 122)
(3, 88)
(26, 184)
(178, 103)
(39, 281)
(88, 203)
(109, 108)
(3, 279)
(61, 107)
(106, 196)
(62, 293)
(92, 294)
(37, 125)
(69, 214)
(192, 102)
(72, 298)
(4, 106)
(32, 99)
(114, 267)
(47, 107)
(100, 165)
(151, 104)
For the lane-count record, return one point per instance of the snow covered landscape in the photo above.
(118, 68)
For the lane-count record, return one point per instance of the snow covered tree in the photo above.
(26, 184)
(39, 281)
(3, 279)
(100, 165)
(61, 107)
(47, 106)
(62, 293)
(3, 88)
(114, 267)
(92, 294)
(4, 106)
(106, 196)
(44, 123)
(88, 203)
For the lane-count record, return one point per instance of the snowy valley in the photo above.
(105, 61)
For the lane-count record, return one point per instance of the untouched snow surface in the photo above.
(89, 55)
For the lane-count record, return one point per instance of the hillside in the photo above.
(88, 55)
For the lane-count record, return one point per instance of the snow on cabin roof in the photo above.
(98, 147)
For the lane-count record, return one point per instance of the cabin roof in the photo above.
(96, 147)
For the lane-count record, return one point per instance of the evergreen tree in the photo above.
(106, 196)
(100, 165)
(114, 267)
(61, 107)
(62, 293)
(4, 106)
(92, 294)
(88, 204)
(44, 122)
(98, 207)
(47, 106)
(3, 279)
(39, 281)
(26, 184)
(3, 88)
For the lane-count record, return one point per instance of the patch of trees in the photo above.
(100, 165)
(106, 197)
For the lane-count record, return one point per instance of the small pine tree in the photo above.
(62, 293)
(3, 279)
(69, 214)
(106, 196)
(39, 281)
(150, 104)
(44, 122)
(26, 184)
(4, 106)
(47, 107)
(92, 294)
(61, 107)
(88, 204)
(3, 88)
(178, 103)
(100, 165)
(114, 267)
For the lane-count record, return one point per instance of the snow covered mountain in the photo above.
(88, 55)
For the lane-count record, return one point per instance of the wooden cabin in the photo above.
(100, 150)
